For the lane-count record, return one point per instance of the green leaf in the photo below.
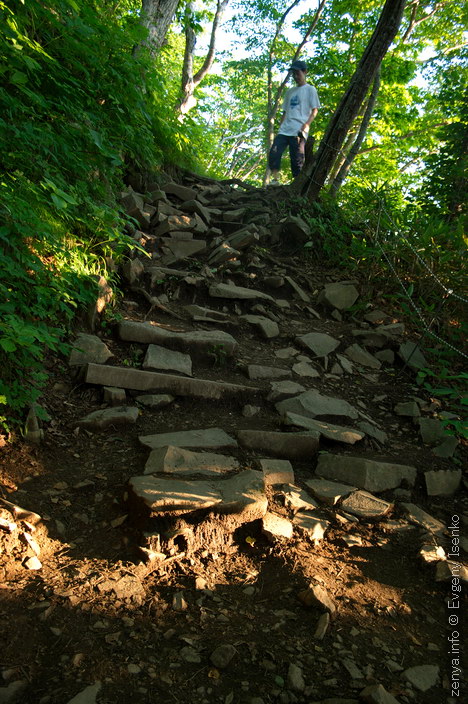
(443, 392)
(59, 203)
(66, 196)
(8, 345)
(18, 78)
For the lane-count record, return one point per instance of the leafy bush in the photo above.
(76, 110)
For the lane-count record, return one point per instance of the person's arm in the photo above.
(311, 118)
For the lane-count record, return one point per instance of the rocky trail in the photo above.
(240, 494)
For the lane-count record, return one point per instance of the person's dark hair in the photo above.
(298, 66)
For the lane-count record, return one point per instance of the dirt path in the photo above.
(282, 590)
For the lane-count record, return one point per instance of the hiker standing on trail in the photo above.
(300, 107)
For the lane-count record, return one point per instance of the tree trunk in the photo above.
(156, 16)
(343, 172)
(340, 160)
(189, 80)
(315, 171)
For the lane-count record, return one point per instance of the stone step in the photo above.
(241, 293)
(126, 378)
(362, 504)
(211, 438)
(365, 473)
(312, 404)
(289, 446)
(177, 461)
(337, 433)
(201, 342)
(163, 359)
(243, 494)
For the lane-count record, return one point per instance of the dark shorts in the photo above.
(296, 153)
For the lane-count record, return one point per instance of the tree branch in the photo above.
(208, 62)
(189, 80)
(415, 22)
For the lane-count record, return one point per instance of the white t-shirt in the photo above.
(298, 104)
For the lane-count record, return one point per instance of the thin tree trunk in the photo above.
(189, 80)
(313, 176)
(342, 155)
(343, 172)
(256, 163)
(156, 16)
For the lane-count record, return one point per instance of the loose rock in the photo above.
(423, 677)
(316, 595)
(222, 656)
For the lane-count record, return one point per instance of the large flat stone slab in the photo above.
(328, 430)
(289, 446)
(361, 356)
(305, 369)
(158, 357)
(312, 404)
(196, 341)
(364, 473)
(211, 438)
(340, 295)
(329, 492)
(174, 495)
(194, 206)
(177, 461)
(223, 253)
(319, 343)
(364, 505)
(423, 677)
(127, 378)
(283, 389)
(431, 430)
(237, 292)
(267, 327)
(242, 494)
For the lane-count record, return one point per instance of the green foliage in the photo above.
(219, 355)
(445, 185)
(76, 111)
(453, 393)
